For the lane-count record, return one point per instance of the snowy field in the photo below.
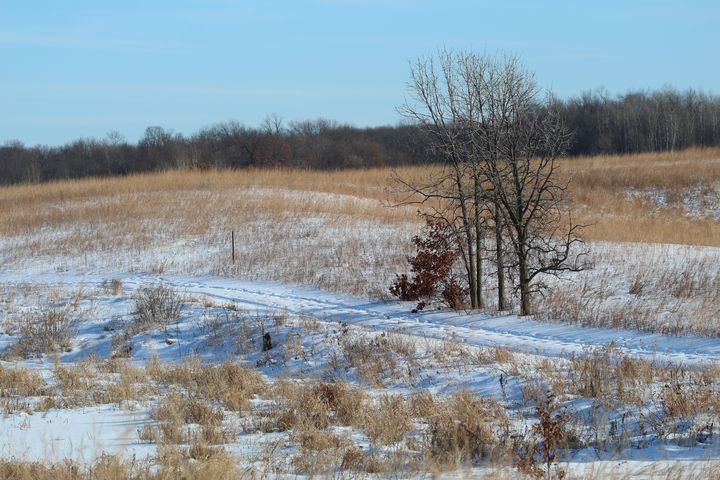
(625, 357)
(434, 352)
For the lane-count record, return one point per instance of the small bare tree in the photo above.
(441, 104)
(522, 138)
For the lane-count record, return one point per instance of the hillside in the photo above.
(128, 329)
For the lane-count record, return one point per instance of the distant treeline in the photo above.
(635, 122)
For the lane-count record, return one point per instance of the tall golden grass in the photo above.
(331, 230)
(188, 200)
(61, 203)
(290, 225)
(600, 186)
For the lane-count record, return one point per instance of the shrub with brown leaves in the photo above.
(432, 270)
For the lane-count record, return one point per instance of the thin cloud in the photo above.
(84, 42)
(374, 3)
(222, 91)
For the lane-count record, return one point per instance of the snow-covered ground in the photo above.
(698, 201)
(314, 319)
(630, 347)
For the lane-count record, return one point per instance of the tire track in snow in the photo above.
(509, 331)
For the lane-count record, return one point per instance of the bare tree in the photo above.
(439, 103)
(523, 137)
(272, 124)
(499, 140)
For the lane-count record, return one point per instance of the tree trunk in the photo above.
(472, 280)
(471, 284)
(478, 269)
(502, 302)
(478, 253)
(467, 229)
(524, 284)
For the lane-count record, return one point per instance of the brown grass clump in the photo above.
(167, 374)
(303, 407)
(105, 468)
(307, 411)
(214, 463)
(48, 332)
(607, 375)
(130, 383)
(344, 401)
(177, 411)
(460, 430)
(176, 406)
(321, 452)
(319, 440)
(91, 382)
(388, 420)
(380, 357)
(228, 382)
(172, 464)
(78, 380)
(21, 382)
(681, 401)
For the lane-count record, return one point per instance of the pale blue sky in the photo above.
(78, 68)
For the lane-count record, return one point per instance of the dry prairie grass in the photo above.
(298, 226)
(20, 381)
(111, 214)
(179, 464)
(663, 185)
(172, 464)
(461, 430)
(192, 403)
(306, 408)
(57, 204)
(175, 412)
(329, 230)
(670, 170)
(670, 289)
(379, 358)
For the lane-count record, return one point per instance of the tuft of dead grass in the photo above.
(21, 382)
(47, 332)
(461, 430)
(388, 420)
(172, 463)
(379, 357)
(155, 306)
(308, 407)
(176, 412)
